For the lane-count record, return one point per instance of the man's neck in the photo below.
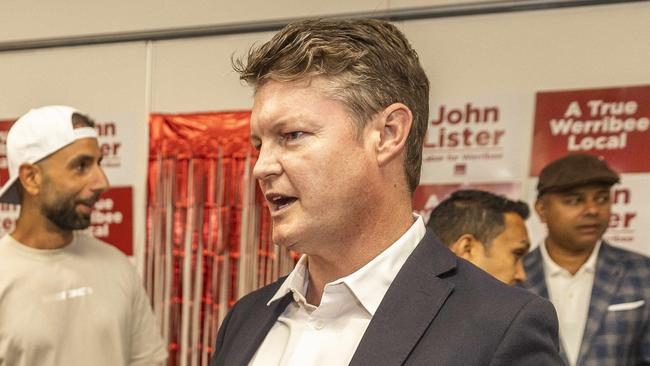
(349, 257)
(570, 260)
(37, 232)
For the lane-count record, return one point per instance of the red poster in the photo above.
(612, 123)
(4, 167)
(112, 218)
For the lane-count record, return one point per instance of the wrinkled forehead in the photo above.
(278, 101)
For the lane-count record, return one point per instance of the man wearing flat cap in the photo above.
(601, 292)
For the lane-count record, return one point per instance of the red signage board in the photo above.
(112, 218)
(612, 123)
(4, 167)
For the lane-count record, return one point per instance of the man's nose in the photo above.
(591, 206)
(267, 164)
(99, 180)
(520, 272)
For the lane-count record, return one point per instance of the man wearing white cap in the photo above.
(65, 297)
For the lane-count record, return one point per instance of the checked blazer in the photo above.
(617, 332)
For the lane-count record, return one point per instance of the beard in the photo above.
(64, 215)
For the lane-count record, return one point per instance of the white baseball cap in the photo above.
(36, 135)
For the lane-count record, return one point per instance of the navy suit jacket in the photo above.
(439, 310)
(617, 332)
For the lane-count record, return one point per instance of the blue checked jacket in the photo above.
(617, 332)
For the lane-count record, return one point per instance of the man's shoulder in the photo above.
(624, 254)
(5, 246)
(635, 265)
(104, 255)
(472, 282)
(533, 258)
(471, 285)
(89, 244)
(503, 312)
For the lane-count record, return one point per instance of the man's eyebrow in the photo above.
(570, 193)
(278, 125)
(272, 127)
(84, 158)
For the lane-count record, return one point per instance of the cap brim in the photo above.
(608, 181)
(9, 192)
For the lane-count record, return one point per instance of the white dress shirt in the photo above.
(328, 334)
(570, 294)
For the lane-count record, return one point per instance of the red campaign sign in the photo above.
(4, 130)
(112, 218)
(428, 196)
(612, 123)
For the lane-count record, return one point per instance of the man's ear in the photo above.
(30, 176)
(540, 208)
(465, 246)
(394, 126)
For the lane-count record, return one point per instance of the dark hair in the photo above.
(369, 65)
(474, 212)
(81, 120)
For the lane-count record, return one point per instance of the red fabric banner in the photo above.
(208, 230)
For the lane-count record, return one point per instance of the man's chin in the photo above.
(285, 240)
(585, 244)
(84, 226)
(82, 222)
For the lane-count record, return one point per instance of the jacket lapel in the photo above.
(409, 306)
(535, 281)
(250, 338)
(606, 281)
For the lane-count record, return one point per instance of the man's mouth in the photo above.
(589, 229)
(87, 205)
(278, 202)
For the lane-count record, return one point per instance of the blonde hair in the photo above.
(369, 65)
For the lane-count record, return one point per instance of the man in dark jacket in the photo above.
(339, 119)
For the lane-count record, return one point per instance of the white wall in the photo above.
(35, 19)
(194, 75)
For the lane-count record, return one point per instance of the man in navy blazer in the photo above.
(601, 292)
(339, 118)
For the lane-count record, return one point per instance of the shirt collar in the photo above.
(369, 283)
(554, 269)
(296, 282)
(590, 264)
